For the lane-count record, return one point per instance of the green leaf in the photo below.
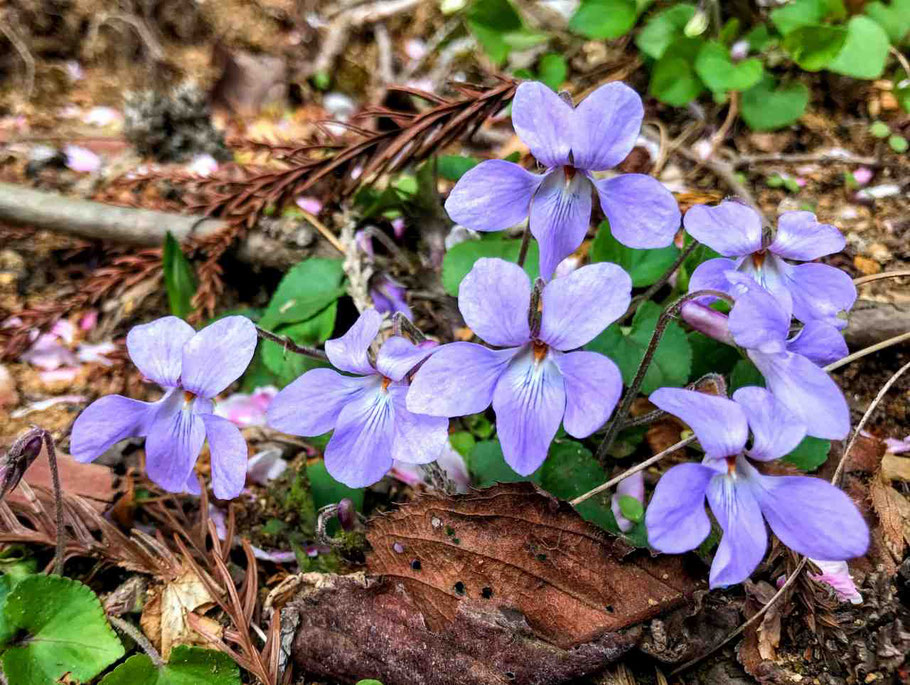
(865, 52)
(714, 66)
(744, 373)
(604, 19)
(710, 356)
(898, 143)
(894, 18)
(487, 466)
(286, 365)
(663, 28)
(187, 666)
(368, 681)
(673, 79)
(810, 454)
(797, 14)
(644, 266)
(553, 70)
(672, 360)
(698, 256)
(814, 47)
(499, 29)
(766, 108)
(462, 442)
(879, 129)
(61, 628)
(631, 508)
(179, 278)
(7, 631)
(453, 167)
(326, 490)
(459, 260)
(307, 289)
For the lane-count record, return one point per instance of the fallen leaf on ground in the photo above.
(94, 482)
(893, 511)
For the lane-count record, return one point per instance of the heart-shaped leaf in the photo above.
(714, 66)
(766, 108)
(307, 289)
(187, 666)
(604, 19)
(814, 47)
(673, 79)
(865, 52)
(459, 260)
(644, 266)
(663, 28)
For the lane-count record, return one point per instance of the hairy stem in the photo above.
(60, 551)
(136, 636)
(290, 346)
(620, 416)
(525, 244)
(660, 282)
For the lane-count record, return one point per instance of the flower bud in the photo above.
(708, 321)
(347, 517)
(18, 458)
(697, 24)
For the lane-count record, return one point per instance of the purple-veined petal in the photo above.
(757, 320)
(360, 451)
(389, 297)
(560, 216)
(349, 352)
(712, 275)
(605, 127)
(229, 456)
(458, 380)
(731, 228)
(771, 273)
(577, 307)
(311, 404)
(776, 431)
(709, 321)
(492, 196)
(398, 356)
(634, 487)
(642, 213)
(807, 391)
(107, 421)
(819, 342)
(809, 515)
(417, 438)
(173, 443)
(218, 355)
(192, 486)
(593, 385)
(494, 299)
(156, 349)
(676, 519)
(820, 292)
(801, 237)
(529, 401)
(543, 121)
(718, 423)
(745, 537)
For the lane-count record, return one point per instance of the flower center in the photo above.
(758, 258)
(386, 382)
(188, 397)
(569, 172)
(731, 466)
(540, 350)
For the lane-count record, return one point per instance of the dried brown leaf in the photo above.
(893, 511)
(515, 548)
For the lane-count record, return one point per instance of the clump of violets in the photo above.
(535, 382)
(571, 142)
(809, 515)
(813, 292)
(193, 368)
(367, 411)
(760, 325)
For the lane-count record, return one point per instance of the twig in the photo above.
(724, 129)
(825, 157)
(726, 172)
(620, 416)
(878, 277)
(802, 563)
(136, 635)
(384, 45)
(525, 244)
(324, 230)
(60, 551)
(290, 346)
(628, 472)
(660, 282)
(859, 354)
(905, 64)
(18, 43)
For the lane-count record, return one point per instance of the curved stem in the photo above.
(60, 551)
(878, 277)
(620, 416)
(525, 244)
(290, 345)
(660, 282)
(859, 354)
(136, 636)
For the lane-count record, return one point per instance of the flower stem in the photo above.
(403, 325)
(525, 244)
(660, 282)
(662, 322)
(877, 277)
(60, 551)
(290, 346)
(859, 354)
(136, 636)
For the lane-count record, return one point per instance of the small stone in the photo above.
(866, 265)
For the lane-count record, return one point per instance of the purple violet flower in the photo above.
(809, 515)
(389, 296)
(533, 384)
(571, 142)
(790, 365)
(193, 368)
(367, 412)
(813, 292)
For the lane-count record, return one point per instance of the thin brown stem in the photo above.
(136, 636)
(802, 562)
(323, 229)
(628, 472)
(403, 325)
(290, 345)
(525, 244)
(859, 354)
(900, 57)
(660, 282)
(662, 322)
(60, 551)
(878, 277)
